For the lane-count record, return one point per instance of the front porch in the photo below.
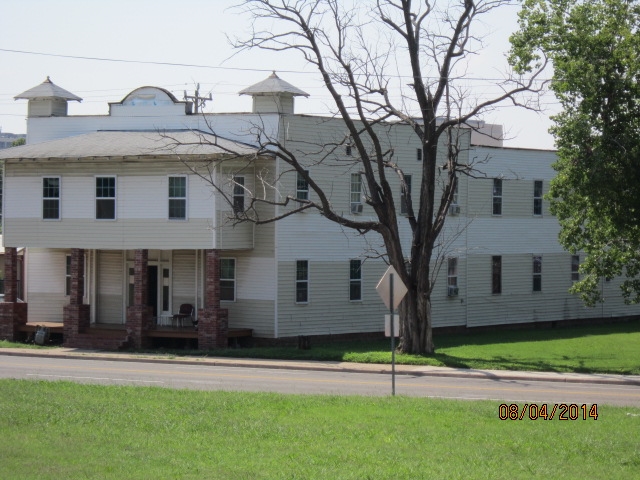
(140, 327)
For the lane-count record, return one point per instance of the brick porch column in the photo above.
(12, 314)
(76, 315)
(213, 321)
(139, 315)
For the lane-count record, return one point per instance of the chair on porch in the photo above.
(186, 311)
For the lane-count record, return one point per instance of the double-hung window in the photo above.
(238, 194)
(406, 189)
(51, 198)
(356, 193)
(228, 279)
(575, 268)
(106, 198)
(302, 281)
(302, 187)
(452, 272)
(537, 273)
(537, 197)
(496, 275)
(178, 197)
(497, 196)
(355, 280)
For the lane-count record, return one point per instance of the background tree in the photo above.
(382, 62)
(594, 46)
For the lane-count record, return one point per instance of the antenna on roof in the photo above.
(198, 101)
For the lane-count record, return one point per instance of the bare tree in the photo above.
(388, 62)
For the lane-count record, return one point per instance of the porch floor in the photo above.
(156, 331)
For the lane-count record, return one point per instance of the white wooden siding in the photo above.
(184, 279)
(46, 271)
(110, 275)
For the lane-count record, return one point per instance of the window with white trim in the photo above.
(355, 193)
(302, 187)
(178, 197)
(302, 281)
(403, 202)
(497, 196)
(238, 194)
(106, 198)
(537, 197)
(355, 280)
(51, 198)
(452, 272)
(537, 273)
(228, 279)
(575, 268)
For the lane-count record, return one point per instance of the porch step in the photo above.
(100, 339)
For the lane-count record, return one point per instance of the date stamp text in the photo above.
(543, 411)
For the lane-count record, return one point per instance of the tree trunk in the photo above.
(415, 318)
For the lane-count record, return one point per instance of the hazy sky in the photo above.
(192, 33)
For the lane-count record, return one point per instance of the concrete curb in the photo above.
(426, 371)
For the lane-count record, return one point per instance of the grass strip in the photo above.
(53, 430)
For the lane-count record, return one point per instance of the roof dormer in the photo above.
(48, 100)
(273, 95)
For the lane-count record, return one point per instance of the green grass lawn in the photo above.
(54, 430)
(608, 348)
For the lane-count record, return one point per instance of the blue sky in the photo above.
(190, 33)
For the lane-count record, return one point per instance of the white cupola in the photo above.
(47, 100)
(273, 95)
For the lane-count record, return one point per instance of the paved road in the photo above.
(301, 381)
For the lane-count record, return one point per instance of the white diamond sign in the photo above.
(384, 288)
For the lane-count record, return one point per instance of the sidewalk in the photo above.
(327, 366)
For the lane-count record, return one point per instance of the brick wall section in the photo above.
(77, 276)
(10, 274)
(12, 314)
(213, 322)
(139, 315)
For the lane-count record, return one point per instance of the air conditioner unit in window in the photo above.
(454, 209)
(452, 291)
(356, 208)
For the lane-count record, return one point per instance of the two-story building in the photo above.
(126, 217)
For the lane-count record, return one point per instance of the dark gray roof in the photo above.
(273, 85)
(48, 89)
(130, 144)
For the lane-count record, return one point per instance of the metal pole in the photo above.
(393, 338)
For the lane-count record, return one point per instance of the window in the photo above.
(454, 200)
(356, 193)
(166, 283)
(575, 268)
(105, 198)
(419, 154)
(496, 274)
(355, 280)
(537, 273)
(302, 187)
(67, 276)
(302, 281)
(348, 150)
(238, 194)
(497, 196)
(537, 197)
(403, 202)
(178, 198)
(51, 198)
(228, 279)
(452, 272)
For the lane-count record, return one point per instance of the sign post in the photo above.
(392, 290)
